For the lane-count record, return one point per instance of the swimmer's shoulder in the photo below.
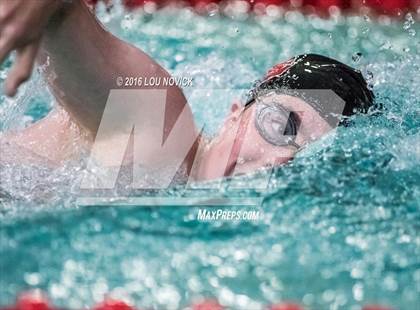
(50, 141)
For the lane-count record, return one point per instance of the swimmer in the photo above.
(81, 62)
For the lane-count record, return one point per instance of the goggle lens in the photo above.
(275, 124)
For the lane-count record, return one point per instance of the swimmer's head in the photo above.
(297, 102)
(308, 72)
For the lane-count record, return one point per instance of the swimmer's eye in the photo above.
(276, 125)
(293, 123)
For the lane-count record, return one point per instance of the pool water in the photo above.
(340, 227)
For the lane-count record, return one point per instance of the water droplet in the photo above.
(369, 79)
(212, 9)
(179, 57)
(409, 21)
(356, 57)
(241, 160)
(366, 30)
(358, 291)
(386, 46)
(32, 278)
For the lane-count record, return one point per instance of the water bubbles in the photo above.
(212, 9)
(226, 271)
(226, 296)
(390, 284)
(33, 278)
(240, 255)
(405, 239)
(332, 230)
(387, 45)
(194, 284)
(365, 30)
(411, 32)
(58, 291)
(408, 24)
(409, 21)
(150, 7)
(99, 289)
(169, 296)
(369, 79)
(357, 273)
(241, 160)
(179, 57)
(358, 291)
(237, 10)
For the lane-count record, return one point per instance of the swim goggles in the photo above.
(277, 125)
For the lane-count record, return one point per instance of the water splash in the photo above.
(343, 221)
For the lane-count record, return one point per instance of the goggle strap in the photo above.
(293, 143)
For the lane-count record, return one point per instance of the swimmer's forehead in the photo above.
(287, 101)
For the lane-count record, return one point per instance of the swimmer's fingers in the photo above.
(22, 68)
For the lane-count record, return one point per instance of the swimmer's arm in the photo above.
(84, 61)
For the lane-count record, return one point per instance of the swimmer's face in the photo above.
(240, 147)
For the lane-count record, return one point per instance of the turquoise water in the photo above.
(340, 227)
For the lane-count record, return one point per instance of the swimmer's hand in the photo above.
(22, 23)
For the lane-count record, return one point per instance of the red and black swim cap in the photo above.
(316, 72)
